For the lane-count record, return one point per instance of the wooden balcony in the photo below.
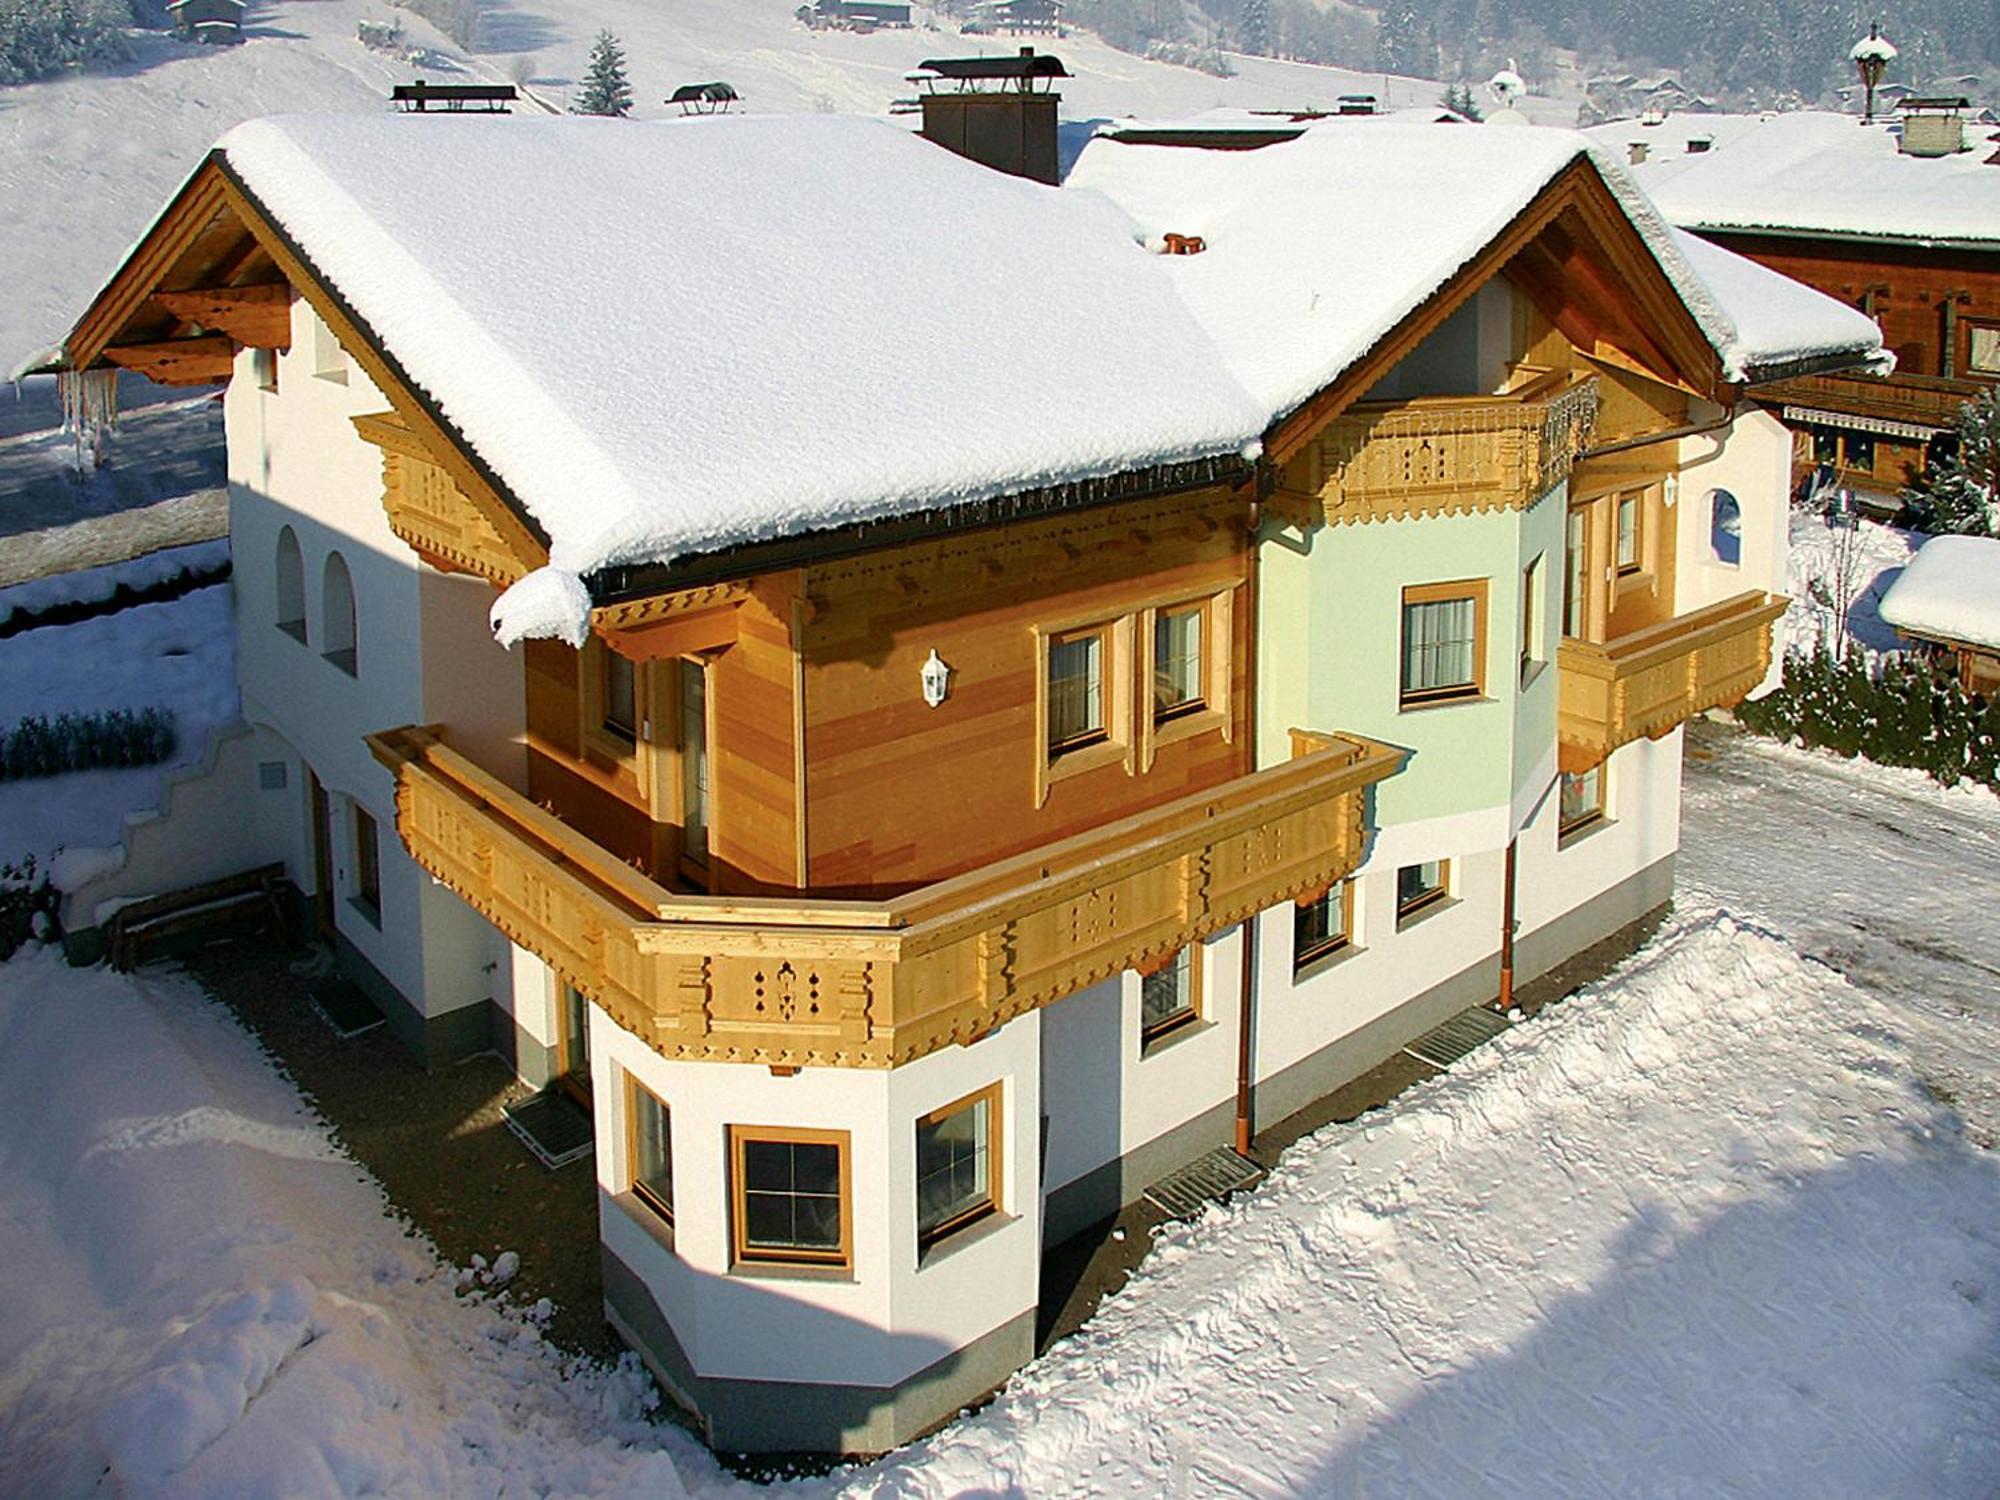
(797, 981)
(1647, 682)
(1924, 401)
(1450, 455)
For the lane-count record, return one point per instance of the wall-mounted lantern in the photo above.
(937, 679)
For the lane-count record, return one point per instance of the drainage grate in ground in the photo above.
(344, 1007)
(1452, 1042)
(1207, 1179)
(551, 1125)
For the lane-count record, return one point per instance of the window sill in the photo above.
(647, 1218)
(1424, 913)
(781, 1270)
(1187, 726)
(344, 660)
(1325, 963)
(1172, 1036)
(1531, 672)
(296, 629)
(977, 1232)
(1457, 700)
(1081, 761)
(370, 911)
(1582, 831)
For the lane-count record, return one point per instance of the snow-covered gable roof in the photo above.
(652, 333)
(1950, 591)
(1317, 248)
(1812, 172)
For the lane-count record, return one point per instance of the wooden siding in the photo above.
(899, 793)
(1645, 683)
(428, 510)
(793, 982)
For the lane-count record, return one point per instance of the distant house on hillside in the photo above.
(854, 15)
(219, 21)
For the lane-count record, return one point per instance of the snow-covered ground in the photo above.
(179, 655)
(1830, 565)
(1714, 1227)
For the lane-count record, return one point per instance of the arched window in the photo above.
(337, 615)
(1725, 528)
(291, 585)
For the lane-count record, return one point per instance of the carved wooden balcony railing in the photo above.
(793, 981)
(1647, 682)
(1925, 401)
(1440, 455)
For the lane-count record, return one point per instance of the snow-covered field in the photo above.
(1715, 1227)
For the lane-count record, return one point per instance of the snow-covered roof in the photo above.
(1317, 248)
(652, 333)
(1949, 591)
(659, 359)
(1811, 172)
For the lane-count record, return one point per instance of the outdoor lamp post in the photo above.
(1870, 56)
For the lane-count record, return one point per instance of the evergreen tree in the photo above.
(1399, 39)
(1255, 30)
(606, 90)
(1961, 493)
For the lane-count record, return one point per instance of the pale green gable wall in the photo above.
(1330, 650)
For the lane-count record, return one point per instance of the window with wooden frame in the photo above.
(790, 1196)
(620, 700)
(1982, 348)
(1630, 521)
(1083, 699)
(1444, 643)
(958, 1165)
(1533, 650)
(1576, 573)
(1187, 648)
(649, 1150)
(1180, 683)
(1582, 802)
(693, 748)
(1421, 887)
(367, 866)
(1322, 926)
(1170, 996)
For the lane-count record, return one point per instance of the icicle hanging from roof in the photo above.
(89, 407)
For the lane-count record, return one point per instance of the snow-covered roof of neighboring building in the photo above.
(1317, 248)
(1811, 172)
(1950, 591)
(652, 333)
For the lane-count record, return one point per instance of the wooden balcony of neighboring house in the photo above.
(793, 980)
(1643, 684)
(1446, 455)
(1910, 406)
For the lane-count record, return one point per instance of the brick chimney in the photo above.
(997, 111)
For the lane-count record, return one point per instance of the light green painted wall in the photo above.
(1330, 650)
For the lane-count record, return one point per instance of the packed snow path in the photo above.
(1712, 1228)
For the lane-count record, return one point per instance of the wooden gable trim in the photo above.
(257, 317)
(203, 360)
(214, 190)
(1579, 189)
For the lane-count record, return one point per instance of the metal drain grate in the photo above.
(1207, 1179)
(1455, 1039)
(551, 1125)
(344, 1007)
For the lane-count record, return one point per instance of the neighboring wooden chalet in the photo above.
(1206, 661)
(1900, 219)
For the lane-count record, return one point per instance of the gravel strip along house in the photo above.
(926, 702)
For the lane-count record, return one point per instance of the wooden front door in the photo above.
(573, 1044)
(322, 856)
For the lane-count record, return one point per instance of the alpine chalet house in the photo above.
(1899, 218)
(991, 690)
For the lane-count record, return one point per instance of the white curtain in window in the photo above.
(1437, 645)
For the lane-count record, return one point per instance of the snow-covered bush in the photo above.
(39, 37)
(27, 906)
(1896, 711)
(1961, 493)
(44, 746)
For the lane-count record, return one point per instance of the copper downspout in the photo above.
(1506, 1001)
(1245, 1004)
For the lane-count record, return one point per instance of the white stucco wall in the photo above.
(1752, 460)
(890, 1316)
